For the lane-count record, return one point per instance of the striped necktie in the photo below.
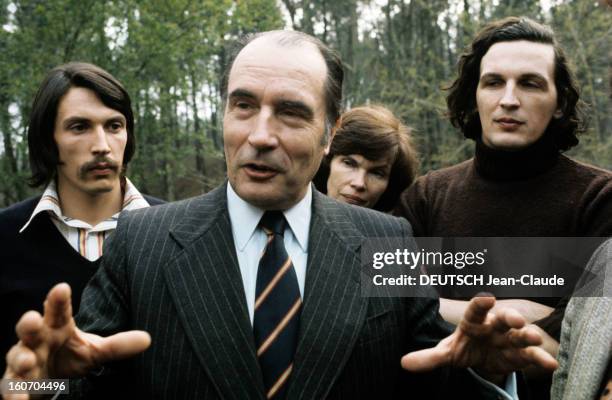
(277, 308)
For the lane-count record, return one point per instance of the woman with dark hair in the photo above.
(370, 159)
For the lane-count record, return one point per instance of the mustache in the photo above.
(93, 164)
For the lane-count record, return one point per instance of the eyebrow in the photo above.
(490, 75)
(528, 75)
(383, 165)
(76, 119)
(296, 106)
(120, 118)
(386, 166)
(242, 93)
(533, 75)
(71, 120)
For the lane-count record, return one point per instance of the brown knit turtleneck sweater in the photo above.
(531, 193)
(535, 192)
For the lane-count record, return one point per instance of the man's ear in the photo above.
(332, 134)
(326, 151)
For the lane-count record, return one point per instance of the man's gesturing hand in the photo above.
(52, 346)
(495, 344)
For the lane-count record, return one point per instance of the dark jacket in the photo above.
(33, 262)
(173, 272)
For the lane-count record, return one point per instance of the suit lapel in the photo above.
(334, 308)
(205, 283)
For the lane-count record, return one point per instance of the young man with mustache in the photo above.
(80, 138)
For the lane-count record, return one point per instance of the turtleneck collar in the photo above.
(514, 165)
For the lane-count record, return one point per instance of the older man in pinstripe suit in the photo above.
(226, 321)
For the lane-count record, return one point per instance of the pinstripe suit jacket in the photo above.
(172, 270)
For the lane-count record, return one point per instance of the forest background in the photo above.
(170, 54)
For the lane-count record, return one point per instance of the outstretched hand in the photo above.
(51, 345)
(495, 344)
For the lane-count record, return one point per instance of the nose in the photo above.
(358, 180)
(100, 144)
(509, 99)
(263, 135)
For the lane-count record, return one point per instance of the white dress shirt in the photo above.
(250, 240)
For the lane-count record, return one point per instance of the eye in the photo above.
(115, 126)
(379, 173)
(78, 127)
(289, 113)
(349, 162)
(242, 105)
(243, 108)
(531, 84)
(492, 83)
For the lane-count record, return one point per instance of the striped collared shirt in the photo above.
(86, 239)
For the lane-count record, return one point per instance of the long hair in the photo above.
(461, 99)
(43, 152)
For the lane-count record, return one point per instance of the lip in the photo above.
(509, 124)
(353, 199)
(102, 169)
(259, 171)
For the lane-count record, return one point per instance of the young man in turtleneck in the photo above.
(516, 97)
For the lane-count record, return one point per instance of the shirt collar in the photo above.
(245, 217)
(49, 201)
(132, 199)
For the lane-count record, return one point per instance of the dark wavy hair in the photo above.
(335, 68)
(43, 152)
(374, 133)
(461, 99)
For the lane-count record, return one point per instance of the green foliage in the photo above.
(412, 49)
(170, 55)
(166, 53)
(585, 31)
